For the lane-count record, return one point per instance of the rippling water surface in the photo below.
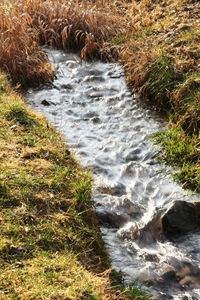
(109, 130)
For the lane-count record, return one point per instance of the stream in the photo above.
(109, 129)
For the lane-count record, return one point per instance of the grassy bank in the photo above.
(51, 247)
(45, 209)
(161, 54)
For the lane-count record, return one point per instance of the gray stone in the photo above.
(180, 218)
(111, 219)
(118, 189)
(67, 86)
(45, 103)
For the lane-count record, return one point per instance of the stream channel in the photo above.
(109, 129)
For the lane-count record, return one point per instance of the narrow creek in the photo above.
(109, 131)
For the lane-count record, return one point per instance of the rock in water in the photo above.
(45, 103)
(111, 219)
(181, 217)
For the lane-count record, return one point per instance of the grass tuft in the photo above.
(160, 81)
(182, 152)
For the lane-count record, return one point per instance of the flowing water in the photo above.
(109, 130)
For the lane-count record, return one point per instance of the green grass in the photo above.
(187, 104)
(50, 243)
(161, 80)
(43, 194)
(182, 152)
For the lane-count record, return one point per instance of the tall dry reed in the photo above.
(20, 56)
(72, 25)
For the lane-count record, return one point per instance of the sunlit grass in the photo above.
(182, 152)
(161, 55)
(43, 193)
(50, 243)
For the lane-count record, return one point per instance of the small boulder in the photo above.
(180, 218)
(117, 189)
(67, 86)
(45, 103)
(112, 219)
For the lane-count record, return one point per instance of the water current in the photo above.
(110, 132)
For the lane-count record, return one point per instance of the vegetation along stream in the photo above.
(140, 208)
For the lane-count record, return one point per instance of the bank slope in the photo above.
(161, 55)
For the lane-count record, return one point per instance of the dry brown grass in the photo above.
(163, 26)
(68, 25)
(20, 56)
(161, 54)
(25, 25)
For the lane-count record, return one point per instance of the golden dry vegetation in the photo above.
(63, 24)
(161, 55)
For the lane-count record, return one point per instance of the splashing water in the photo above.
(109, 129)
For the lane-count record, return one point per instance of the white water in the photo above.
(109, 130)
